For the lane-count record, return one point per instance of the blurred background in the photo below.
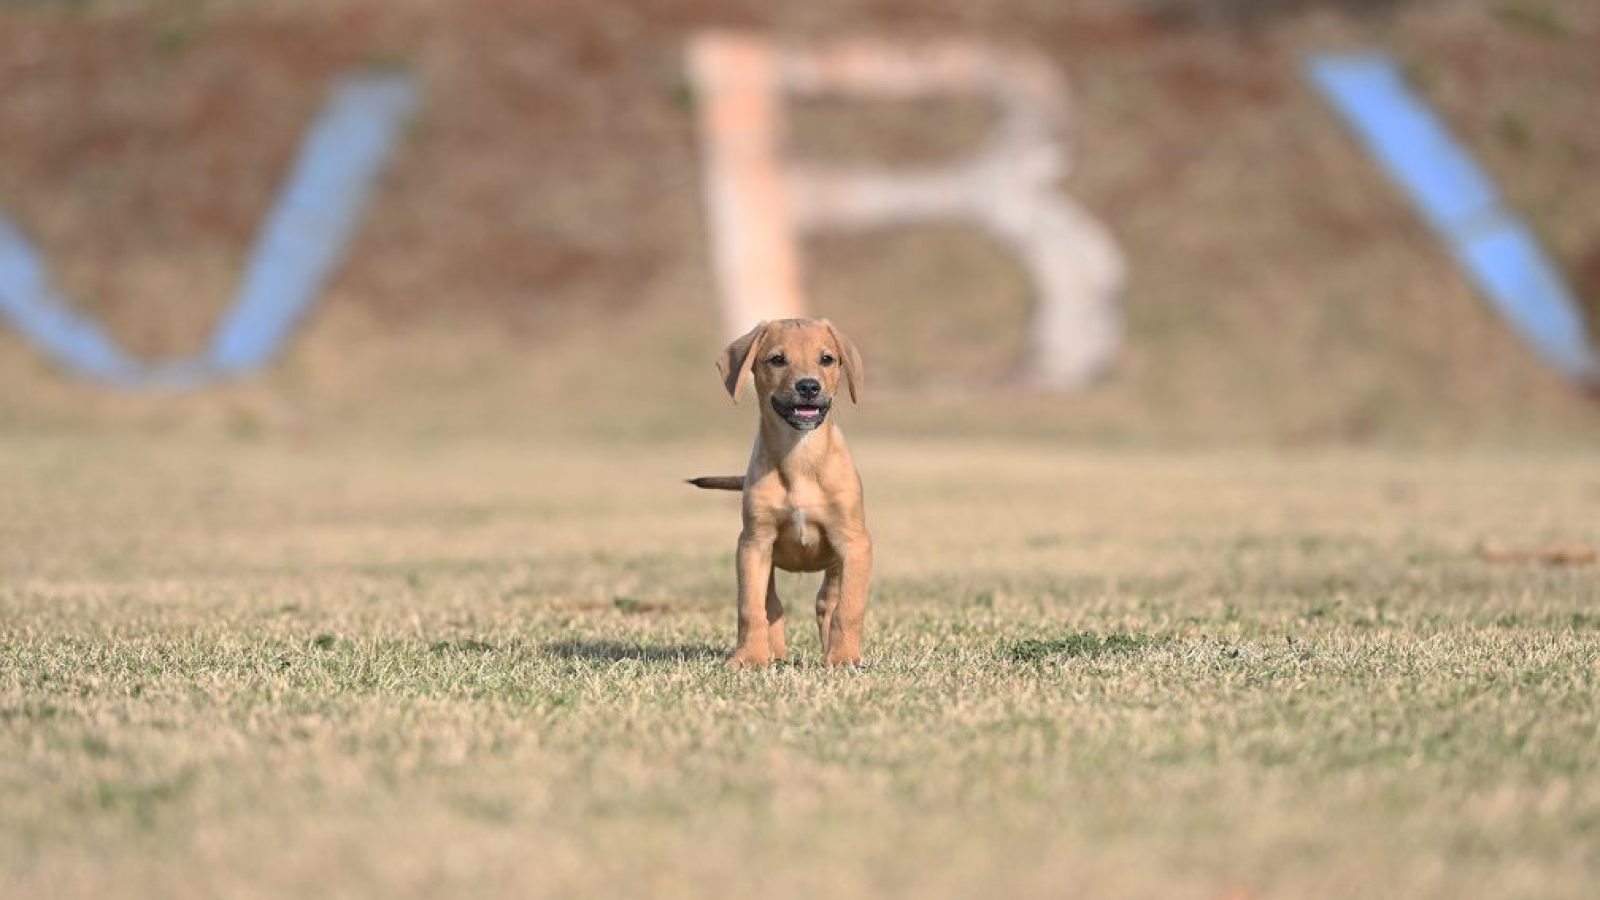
(535, 257)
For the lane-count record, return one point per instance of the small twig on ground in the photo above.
(1549, 555)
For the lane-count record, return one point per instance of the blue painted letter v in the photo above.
(302, 240)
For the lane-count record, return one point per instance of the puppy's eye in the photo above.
(827, 359)
(777, 360)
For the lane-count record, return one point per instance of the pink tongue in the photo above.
(806, 412)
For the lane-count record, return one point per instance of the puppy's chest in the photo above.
(799, 517)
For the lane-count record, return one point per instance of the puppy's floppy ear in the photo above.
(855, 377)
(738, 357)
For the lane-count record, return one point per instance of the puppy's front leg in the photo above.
(755, 575)
(850, 616)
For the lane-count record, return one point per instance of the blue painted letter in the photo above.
(303, 239)
(1498, 252)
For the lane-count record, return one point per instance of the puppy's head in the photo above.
(798, 364)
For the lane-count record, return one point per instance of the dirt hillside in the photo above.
(539, 241)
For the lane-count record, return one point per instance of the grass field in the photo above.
(425, 609)
(347, 666)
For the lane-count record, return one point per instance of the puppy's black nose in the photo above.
(808, 387)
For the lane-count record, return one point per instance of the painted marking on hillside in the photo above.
(301, 242)
(762, 203)
(1460, 203)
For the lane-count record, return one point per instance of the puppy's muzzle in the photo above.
(805, 407)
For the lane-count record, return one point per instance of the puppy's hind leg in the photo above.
(780, 648)
(827, 602)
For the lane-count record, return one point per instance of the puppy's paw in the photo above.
(842, 657)
(750, 658)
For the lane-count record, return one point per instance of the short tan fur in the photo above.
(803, 508)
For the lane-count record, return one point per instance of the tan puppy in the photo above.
(802, 495)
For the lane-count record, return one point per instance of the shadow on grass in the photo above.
(615, 651)
(1087, 645)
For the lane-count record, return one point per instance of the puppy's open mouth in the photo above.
(802, 415)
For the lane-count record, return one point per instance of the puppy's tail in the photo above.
(719, 482)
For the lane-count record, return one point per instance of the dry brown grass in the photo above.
(355, 666)
(426, 611)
